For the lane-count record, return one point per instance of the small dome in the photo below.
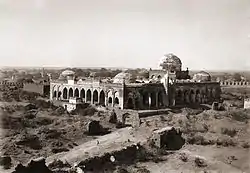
(171, 62)
(122, 77)
(67, 73)
(202, 76)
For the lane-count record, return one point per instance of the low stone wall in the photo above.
(144, 114)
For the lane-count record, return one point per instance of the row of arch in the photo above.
(87, 96)
(195, 96)
(234, 83)
(145, 100)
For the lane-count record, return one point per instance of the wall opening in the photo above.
(116, 101)
(65, 93)
(59, 94)
(88, 99)
(82, 93)
(110, 100)
(130, 103)
(76, 92)
(54, 95)
(70, 92)
(102, 98)
(95, 96)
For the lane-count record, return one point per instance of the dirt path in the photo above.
(107, 143)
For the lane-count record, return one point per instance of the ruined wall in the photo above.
(187, 93)
(247, 103)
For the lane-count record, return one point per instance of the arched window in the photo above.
(102, 98)
(76, 92)
(82, 93)
(70, 92)
(65, 93)
(116, 101)
(95, 96)
(88, 99)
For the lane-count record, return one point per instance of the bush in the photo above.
(229, 132)
(225, 142)
(199, 140)
(200, 162)
(241, 116)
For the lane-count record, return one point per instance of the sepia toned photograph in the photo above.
(125, 86)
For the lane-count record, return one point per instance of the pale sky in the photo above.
(204, 34)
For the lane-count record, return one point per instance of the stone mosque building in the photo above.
(170, 86)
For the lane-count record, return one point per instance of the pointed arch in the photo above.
(192, 96)
(65, 93)
(145, 99)
(110, 100)
(76, 92)
(153, 99)
(59, 94)
(95, 96)
(130, 103)
(116, 101)
(198, 96)
(70, 92)
(82, 93)
(88, 99)
(102, 97)
(54, 94)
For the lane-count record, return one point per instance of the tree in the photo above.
(237, 76)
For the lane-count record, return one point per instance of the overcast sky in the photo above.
(204, 34)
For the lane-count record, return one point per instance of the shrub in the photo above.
(200, 162)
(229, 132)
(246, 145)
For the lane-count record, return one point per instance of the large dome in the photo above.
(171, 62)
(67, 73)
(202, 76)
(122, 77)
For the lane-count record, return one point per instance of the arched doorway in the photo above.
(65, 93)
(54, 94)
(145, 100)
(95, 96)
(198, 96)
(82, 93)
(116, 101)
(185, 96)
(178, 97)
(130, 104)
(160, 99)
(102, 97)
(59, 94)
(76, 92)
(153, 100)
(88, 99)
(70, 92)
(110, 100)
(192, 96)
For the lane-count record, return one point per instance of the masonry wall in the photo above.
(247, 104)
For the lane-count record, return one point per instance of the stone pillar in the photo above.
(149, 102)
(156, 100)
(51, 92)
(85, 99)
(67, 94)
(113, 99)
(92, 97)
(106, 99)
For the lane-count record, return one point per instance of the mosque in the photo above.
(167, 87)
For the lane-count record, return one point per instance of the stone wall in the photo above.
(247, 103)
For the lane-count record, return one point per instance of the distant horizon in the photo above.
(113, 68)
